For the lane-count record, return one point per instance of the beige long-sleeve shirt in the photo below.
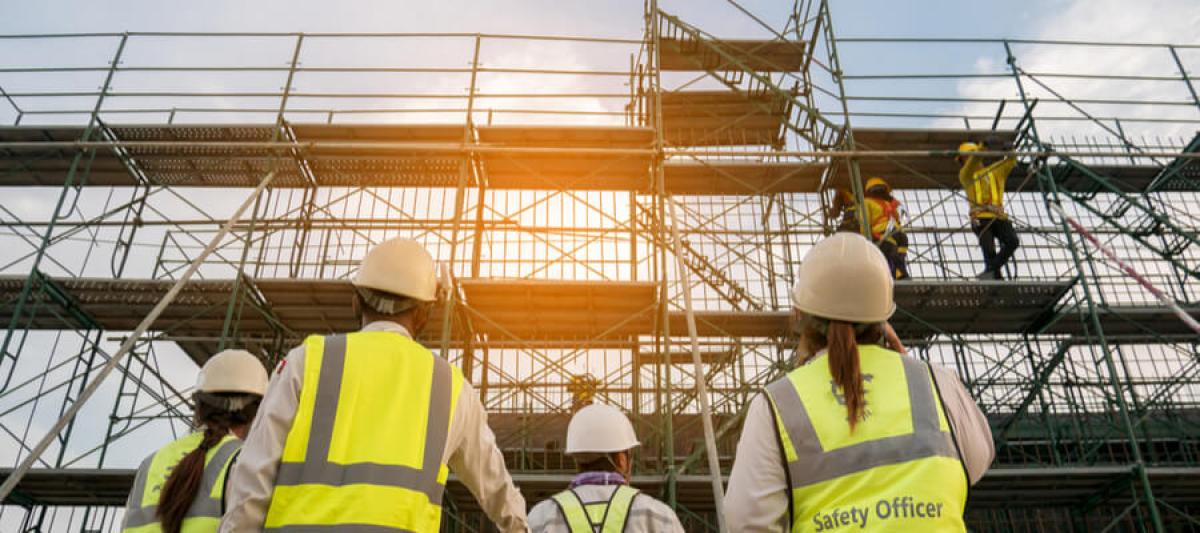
(757, 496)
(471, 452)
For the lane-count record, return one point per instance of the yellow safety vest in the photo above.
(882, 214)
(898, 471)
(610, 516)
(365, 448)
(985, 187)
(204, 516)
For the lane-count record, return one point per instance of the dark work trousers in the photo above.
(989, 230)
(895, 249)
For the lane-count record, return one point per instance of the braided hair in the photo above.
(217, 413)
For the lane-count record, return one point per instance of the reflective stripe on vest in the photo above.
(882, 471)
(611, 516)
(205, 512)
(986, 180)
(354, 458)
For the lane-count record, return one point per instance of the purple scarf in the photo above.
(598, 478)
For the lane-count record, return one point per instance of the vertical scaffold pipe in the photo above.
(127, 346)
(699, 379)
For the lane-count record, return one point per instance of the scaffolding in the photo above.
(621, 221)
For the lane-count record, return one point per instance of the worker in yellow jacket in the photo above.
(884, 214)
(984, 183)
(359, 432)
(859, 437)
(181, 487)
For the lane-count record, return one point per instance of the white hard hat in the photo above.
(600, 429)
(399, 266)
(233, 371)
(845, 277)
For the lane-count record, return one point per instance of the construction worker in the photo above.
(859, 437)
(844, 207)
(358, 432)
(984, 183)
(600, 500)
(181, 486)
(883, 211)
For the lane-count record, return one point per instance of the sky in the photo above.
(1158, 21)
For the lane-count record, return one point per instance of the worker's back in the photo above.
(645, 514)
(142, 508)
(985, 185)
(367, 444)
(898, 470)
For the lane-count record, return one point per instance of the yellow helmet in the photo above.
(966, 147)
(877, 182)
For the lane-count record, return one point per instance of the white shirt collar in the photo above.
(387, 325)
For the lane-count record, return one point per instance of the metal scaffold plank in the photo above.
(565, 170)
(564, 310)
(757, 55)
(50, 167)
(932, 172)
(741, 177)
(334, 166)
(999, 488)
(529, 309)
(723, 118)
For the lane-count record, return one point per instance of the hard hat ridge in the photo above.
(232, 371)
(845, 277)
(600, 429)
(394, 270)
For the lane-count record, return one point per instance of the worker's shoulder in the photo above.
(543, 515)
(652, 510)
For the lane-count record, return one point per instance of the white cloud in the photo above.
(1153, 21)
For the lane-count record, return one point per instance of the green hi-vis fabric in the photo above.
(610, 516)
(204, 516)
(899, 469)
(365, 449)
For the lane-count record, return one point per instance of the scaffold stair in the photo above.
(731, 65)
(699, 265)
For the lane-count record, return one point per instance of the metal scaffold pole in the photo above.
(1051, 197)
(685, 286)
(23, 468)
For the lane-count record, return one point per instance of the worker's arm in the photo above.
(134, 502)
(757, 497)
(968, 421)
(1000, 170)
(252, 480)
(967, 173)
(477, 461)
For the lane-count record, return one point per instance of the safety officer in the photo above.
(181, 486)
(984, 184)
(600, 500)
(359, 431)
(884, 213)
(859, 437)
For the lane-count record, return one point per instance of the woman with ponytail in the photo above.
(860, 435)
(181, 487)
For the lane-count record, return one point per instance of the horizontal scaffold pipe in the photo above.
(328, 35)
(284, 149)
